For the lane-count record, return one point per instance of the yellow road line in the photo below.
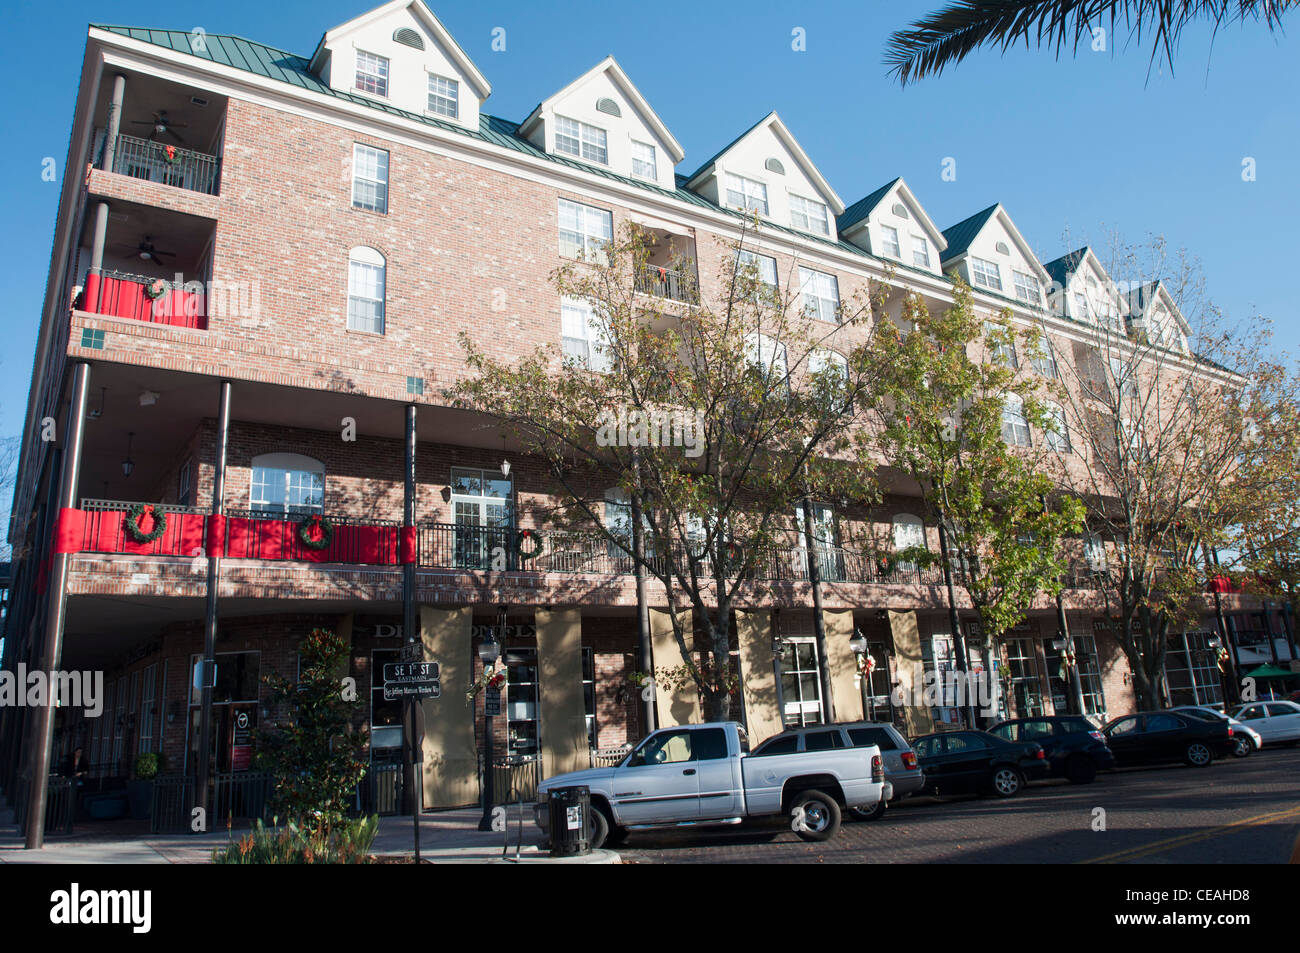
(1133, 853)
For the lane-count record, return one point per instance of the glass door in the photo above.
(482, 509)
(830, 561)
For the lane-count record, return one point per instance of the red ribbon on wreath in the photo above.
(663, 273)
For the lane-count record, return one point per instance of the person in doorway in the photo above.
(76, 766)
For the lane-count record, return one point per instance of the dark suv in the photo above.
(1075, 747)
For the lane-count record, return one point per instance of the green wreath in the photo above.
(131, 522)
(526, 535)
(886, 564)
(155, 289)
(308, 523)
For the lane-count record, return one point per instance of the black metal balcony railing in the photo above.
(165, 163)
(665, 283)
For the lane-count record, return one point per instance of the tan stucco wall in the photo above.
(842, 664)
(562, 714)
(450, 754)
(758, 678)
(909, 669)
(680, 707)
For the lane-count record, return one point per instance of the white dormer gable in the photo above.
(991, 255)
(768, 170)
(602, 119)
(891, 224)
(1155, 314)
(401, 54)
(1082, 290)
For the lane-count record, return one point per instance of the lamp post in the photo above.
(489, 650)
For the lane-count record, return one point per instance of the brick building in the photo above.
(261, 264)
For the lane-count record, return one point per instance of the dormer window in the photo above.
(643, 161)
(807, 215)
(746, 194)
(986, 273)
(581, 140)
(1027, 289)
(444, 96)
(889, 241)
(920, 252)
(1081, 306)
(372, 73)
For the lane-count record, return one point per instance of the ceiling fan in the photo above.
(162, 125)
(147, 252)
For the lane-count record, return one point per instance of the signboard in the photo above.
(525, 631)
(411, 652)
(492, 702)
(241, 746)
(411, 680)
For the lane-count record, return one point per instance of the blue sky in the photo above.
(1087, 144)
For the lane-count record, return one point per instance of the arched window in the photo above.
(909, 533)
(286, 483)
(367, 278)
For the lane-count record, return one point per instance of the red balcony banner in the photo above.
(69, 530)
(216, 542)
(90, 295)
(124, 298)
(409, 547)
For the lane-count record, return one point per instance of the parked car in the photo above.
(903, 774)
(1246, 739)
(1075, 747)
(1161, 737)
(704, 775)
(1276, 722)
(957, 762)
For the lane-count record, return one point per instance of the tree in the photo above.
(682, 435)
(316, 757)
(947, 36)
(1160, 449)
(958, 423)
(9, 449)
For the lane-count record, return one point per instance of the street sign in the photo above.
(411, 652)
(410, 671)
(492, 701)
(428, 688)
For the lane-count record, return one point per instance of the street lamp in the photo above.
(489, 651)
(858, 645)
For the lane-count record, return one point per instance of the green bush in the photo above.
(146, 766)
(347, 843)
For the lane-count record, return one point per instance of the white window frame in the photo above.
(1027, 287)
(1056, 439)
(920, 251)
(766, 265)
(890, 244)
(979, 273)
(365, 262)
(767, 354)
(752, 192)
(444, 96)
(371, 77)
(642, 167)
(370, 170)
(298, 475)
(589, 143)
(821, 294)
(821, 358)
(1015, 425)
(809, 215)
(584, 335)
(593, 230)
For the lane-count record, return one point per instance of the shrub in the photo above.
(147, 766)
(346, 843)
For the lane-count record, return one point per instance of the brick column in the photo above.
(909, 669)
(681, 707)
(842, 664)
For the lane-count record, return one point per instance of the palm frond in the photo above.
(949, 35)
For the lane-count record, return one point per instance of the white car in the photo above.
(1248, 739)
(1276, 722)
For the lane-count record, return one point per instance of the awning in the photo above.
(1270, 671)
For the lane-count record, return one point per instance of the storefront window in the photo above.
(801, 683)
(1192, 669)
(940, 663)
(523, 724)
(1026, 678)
(385, 716)
(1085, 654)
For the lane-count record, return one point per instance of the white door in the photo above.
(660, 782)
(1283, 720)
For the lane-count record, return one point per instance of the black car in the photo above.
(957, 762)
(1161, 737)
(1075, 748)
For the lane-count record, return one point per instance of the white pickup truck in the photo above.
(704, 775)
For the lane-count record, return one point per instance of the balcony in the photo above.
(166, 164)
(121, 294)
(664, 283)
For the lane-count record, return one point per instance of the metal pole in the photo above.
(644, 645)
(114, 121)
(413, 755)
(958, 643)
(52, 649)
(776, 666)
(209, 661)
(819, 621)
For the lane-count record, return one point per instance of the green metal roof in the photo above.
(863, 206)
(1061, 268)
(714, 158)
(960, 236)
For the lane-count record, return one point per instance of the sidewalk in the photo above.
(446, 837)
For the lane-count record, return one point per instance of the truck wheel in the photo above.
(873, 813)
(1198, 755)
(597, 829)
(617, 835)
(815, 816)
(1080, 769)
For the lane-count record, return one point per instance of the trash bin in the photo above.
(570, 827)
